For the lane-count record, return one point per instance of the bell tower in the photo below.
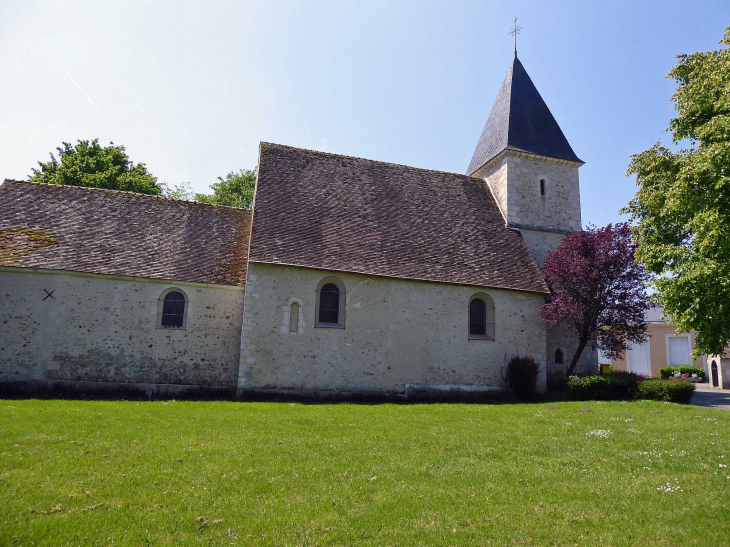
(529, 165)
(532, 172)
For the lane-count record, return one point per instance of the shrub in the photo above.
(669, 372)
(522, 376)
(626, 386)
(666, 390)
(629, 376)
(601, 388)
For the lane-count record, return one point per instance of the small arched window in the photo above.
(294, 317)
(558, 356)
(481, 317)
(330, 310)
(542, 187)
(174, 306)
(477, 317)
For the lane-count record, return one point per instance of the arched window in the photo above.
(172, 309)
(477, 317)
(481, 317)
(542, 187)
(330, 310)
(329, 303)
(558, 356)
(294, 317)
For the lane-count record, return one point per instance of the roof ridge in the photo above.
(124, 192)
(335, 155)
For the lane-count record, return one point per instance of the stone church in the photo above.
(348, 276)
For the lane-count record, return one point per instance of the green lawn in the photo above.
(138, 473)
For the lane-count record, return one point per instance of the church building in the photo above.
(348, 276)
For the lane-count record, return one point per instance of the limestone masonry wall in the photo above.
(104, 329)
(515, 183)
(397, 332)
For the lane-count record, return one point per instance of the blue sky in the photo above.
(190, 88)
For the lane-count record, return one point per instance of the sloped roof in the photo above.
(334, 212)
(121, 233)
(520, 120)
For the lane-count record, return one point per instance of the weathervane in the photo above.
(515, 31)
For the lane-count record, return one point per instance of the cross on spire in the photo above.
(515, 31)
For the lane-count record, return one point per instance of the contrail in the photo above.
(77, 85)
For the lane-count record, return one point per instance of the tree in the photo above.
(682, 207)
(182, 191)
(598, 290)
(91, 165)
(235, 190)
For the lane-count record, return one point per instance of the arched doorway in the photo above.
(713, 373)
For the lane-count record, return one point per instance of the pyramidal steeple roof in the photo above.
(520, 120)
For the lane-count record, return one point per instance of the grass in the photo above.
(140, 473)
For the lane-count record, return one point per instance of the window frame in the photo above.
(341, 308)
(489, 318)
(562, 357)
(689, 348)
(161, 308)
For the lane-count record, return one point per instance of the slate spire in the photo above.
(520, 120)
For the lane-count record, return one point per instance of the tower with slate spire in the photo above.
(529, 165)
(532, 171)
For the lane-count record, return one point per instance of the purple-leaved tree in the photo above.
(598, 290)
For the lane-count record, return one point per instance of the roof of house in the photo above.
(122, 233)
(333, 212)
(520, 120)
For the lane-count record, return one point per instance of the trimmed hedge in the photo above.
(674, 391)
(600, 388)
(668, 372)
(624, 387)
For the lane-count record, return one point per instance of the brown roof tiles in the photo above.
(121, 233)
(332, 212)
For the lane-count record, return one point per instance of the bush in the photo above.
(601, 388)
(629, 376)
(668, 372)
(666, 390)
(624, 386)
(522, 376)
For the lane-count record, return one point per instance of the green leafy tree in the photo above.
(182, 190)
(235, 190)
(682, 207)
(94, 166)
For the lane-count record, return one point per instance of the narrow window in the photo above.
(477, 317)
(329, 304)
(294, 317)
(173, 310)
(558, 356)
(542, 187)
(481, 317)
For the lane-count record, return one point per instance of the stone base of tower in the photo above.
(559, 340)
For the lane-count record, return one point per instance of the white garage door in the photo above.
(639, 359)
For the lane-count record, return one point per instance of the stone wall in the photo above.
(540, 242)
(104, 329)
(397, 333)
(515, 183)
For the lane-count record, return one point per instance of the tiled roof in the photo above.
(340, 213)
(520, 120)
(121, 233)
